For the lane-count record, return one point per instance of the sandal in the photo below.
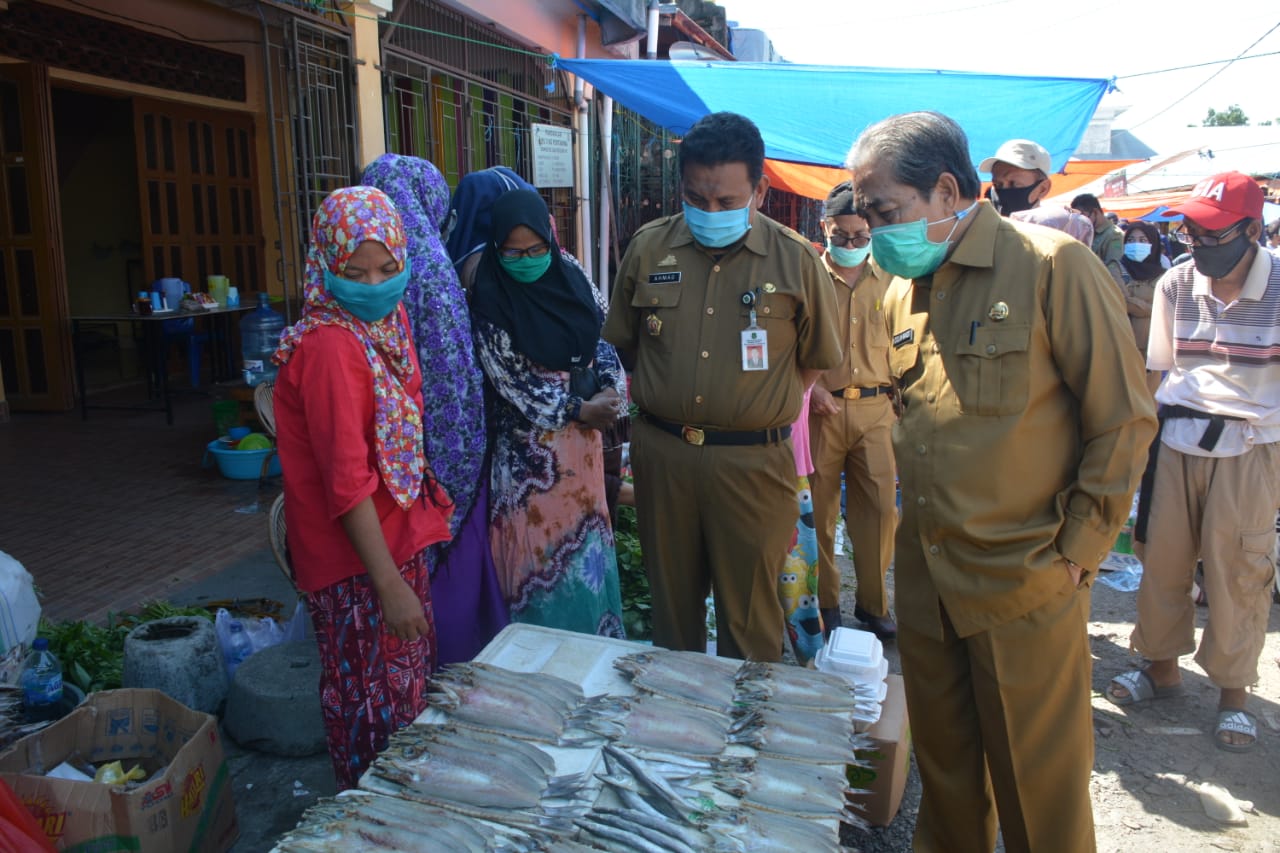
(1240, 722)
(1140, 687)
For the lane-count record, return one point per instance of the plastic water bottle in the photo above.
(259, 336)
(240, 646)
(41, 682)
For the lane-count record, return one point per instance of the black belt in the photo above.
(699, 436)
(853, 392)
(1212, 432)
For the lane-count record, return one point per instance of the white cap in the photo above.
(1022, 153)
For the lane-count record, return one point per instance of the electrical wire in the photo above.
(1205, 82)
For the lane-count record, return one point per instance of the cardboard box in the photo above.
(887, 761)
(187, 808)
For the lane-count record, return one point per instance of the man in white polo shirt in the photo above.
(1215, 483)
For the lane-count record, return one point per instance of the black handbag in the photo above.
(584, 382)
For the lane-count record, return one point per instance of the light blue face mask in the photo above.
(1137, 251)
(369, 302)
(717, 229)
(905, 249)
(846, 257)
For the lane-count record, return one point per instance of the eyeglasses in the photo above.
(1185, 237)
(532, 252)
(857, 241)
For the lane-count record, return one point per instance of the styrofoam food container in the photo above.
(857, 655)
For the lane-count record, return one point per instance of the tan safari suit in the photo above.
(1024, 433)
(857, 442)
(718, 516)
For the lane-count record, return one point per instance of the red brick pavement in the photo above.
(116, 511)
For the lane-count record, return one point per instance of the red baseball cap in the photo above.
(1221, 200)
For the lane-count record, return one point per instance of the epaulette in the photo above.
(652, 223)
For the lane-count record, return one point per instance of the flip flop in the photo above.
(1141, 688)
(1240, 722)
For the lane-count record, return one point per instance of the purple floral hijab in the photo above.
(452, 385)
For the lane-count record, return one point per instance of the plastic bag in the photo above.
(19, 614)
(19, 831)
(262, 632)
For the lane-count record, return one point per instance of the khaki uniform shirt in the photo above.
(864, 341)
(677, 310)
(1108, 245)
(1025, 428)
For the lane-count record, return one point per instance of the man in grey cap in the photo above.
(1019, 176)
(1108, 242)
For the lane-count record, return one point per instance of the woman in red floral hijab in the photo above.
(361, 503)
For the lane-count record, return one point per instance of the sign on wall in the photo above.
(552, 156)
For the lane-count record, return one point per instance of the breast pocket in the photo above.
(902, 361)
(993, 371)
(657, 305)
(776, 314)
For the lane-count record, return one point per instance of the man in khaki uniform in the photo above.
(1024, 431)
(850, 417)
(727, 317)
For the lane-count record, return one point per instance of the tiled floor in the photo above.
(117, 510)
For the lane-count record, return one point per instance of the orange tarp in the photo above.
(817, 181)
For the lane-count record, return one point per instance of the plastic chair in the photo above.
(264, 407)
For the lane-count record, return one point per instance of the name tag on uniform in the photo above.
(755, 349)
(903, 338)
(664, 278)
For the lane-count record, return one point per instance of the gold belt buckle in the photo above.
(693, 435)
(852, 393)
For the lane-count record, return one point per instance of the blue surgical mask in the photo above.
(905, 250)
(717, 229)
(846, 257)
(1137, 251)
(369, 302)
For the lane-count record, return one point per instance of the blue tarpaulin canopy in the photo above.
(812, 113)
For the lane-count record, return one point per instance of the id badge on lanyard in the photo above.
(755, 345)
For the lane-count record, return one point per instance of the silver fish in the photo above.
(790, 787)
(687, 676)
(798, 734)
(656, 722)
(750, 829)
(792, 685)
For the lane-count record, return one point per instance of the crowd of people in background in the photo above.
(966, 379)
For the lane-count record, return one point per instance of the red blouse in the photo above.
(324, 432)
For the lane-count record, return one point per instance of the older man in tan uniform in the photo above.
(850, 417)
(1024, 431)
(727, 315)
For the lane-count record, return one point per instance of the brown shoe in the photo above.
(882, 626)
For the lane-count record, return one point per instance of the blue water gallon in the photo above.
(259, 336)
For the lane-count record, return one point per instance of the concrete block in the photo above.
(273, 704)
(179, 656)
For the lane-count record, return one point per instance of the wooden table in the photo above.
(156, 355)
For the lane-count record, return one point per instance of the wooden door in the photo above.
(35, 351)
(199, 197)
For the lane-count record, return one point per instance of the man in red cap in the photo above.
(1212, 489)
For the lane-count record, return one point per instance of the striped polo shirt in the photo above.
(1222, 358)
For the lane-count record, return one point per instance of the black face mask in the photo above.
(1012, 199)
(1217, 261)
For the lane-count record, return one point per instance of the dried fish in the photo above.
(656, 722)
(798, 734)
(502, 705)
(458, 830)
(791, 685)
(688, 676)
(628, 771)
(791, 787)
(749, 829)
(653, 826)
(419, 743)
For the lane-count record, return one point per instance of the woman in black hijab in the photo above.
(1144, 266)
(553, 385)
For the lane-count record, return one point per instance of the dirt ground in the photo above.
(1150, 760)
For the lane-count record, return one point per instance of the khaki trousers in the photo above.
(714, 518)
(1003, 731)
(1222, 511)
(858, 442)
